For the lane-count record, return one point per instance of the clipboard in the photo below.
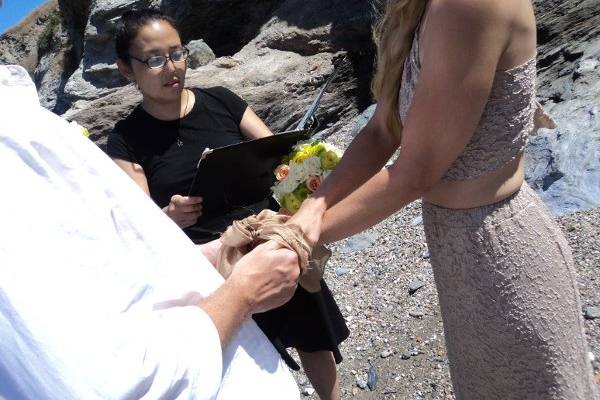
(241, 174)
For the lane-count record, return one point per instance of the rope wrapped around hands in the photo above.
(243, 235)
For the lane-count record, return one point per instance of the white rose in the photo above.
(277, 192)
(287, 185)
(297, 173)
(312, 165)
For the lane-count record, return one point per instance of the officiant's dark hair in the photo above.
(130, 24)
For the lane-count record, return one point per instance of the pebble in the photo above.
(405, 356)
(307, 391)
(592, 312)
(414, 286)
(416, 314)
(372, 378)
(341, 271)
(386, 353)
(417, 221)
(361, 383)
(359, 242)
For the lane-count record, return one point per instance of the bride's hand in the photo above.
(309, 218)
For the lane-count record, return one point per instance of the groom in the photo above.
(101, 295)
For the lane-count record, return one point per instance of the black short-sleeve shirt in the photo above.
(169, 151)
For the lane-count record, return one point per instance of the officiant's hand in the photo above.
(184, 210)
(267, 276)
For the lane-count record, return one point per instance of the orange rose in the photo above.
(281, 172)
(313, 182)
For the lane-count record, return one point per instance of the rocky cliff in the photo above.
(564, 164)
(277, 53)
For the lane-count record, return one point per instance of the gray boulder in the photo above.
(200, 54)
(97, 74)
(26, 42)
(278, 72)
(277, 53)
(563, 165)
(225, 25)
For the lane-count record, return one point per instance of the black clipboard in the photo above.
(241, 174)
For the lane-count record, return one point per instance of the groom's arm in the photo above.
(263, 279)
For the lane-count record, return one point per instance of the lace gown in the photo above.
(504, 272)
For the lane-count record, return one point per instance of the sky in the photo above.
(13, 11)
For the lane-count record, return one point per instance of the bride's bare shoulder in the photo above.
(469, 20)
(470, 11)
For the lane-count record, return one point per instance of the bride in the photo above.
(455, 85)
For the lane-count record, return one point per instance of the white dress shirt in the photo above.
(98, 287)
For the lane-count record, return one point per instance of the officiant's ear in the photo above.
(125, 70)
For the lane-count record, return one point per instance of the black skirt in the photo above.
(308, 322)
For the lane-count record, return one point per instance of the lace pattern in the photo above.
(508, 295)
(504, 127)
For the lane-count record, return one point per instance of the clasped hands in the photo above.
(265, 277)
(268, 274)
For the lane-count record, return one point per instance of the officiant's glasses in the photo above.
(156, 62)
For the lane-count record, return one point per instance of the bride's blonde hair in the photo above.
(393, 36)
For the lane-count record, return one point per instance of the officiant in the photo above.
(159, 145)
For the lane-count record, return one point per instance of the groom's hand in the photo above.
(263, 279)
(211, 251)
(267, 276)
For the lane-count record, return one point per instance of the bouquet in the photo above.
(302, 171)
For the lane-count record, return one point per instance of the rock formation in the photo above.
(277, 53)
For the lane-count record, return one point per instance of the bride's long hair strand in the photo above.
(393, 36)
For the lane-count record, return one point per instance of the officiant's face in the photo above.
(160, 82)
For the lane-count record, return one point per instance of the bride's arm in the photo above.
(386, 192)
(457, 74)
(365, 156)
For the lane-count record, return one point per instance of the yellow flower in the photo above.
(291, 202)
(302, 155)
(316, 149)
(329, 159)
(86, 133)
